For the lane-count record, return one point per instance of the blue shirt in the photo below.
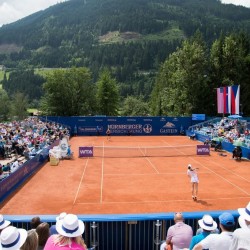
(197, 238)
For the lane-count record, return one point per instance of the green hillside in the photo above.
(128, 36)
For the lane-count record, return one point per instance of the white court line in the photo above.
(236, 186)
(101, 194)
(230, 171)
(80, 183)
(145, 157)
(162, 201)
(173, 173)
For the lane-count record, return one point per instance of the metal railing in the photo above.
(124, 232)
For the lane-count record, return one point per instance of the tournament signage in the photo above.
(85, 151)
(198, 117)
(203, 150)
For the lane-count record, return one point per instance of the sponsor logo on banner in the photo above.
(168, 128)
(124, 128)
(163, 119)
(85, 151)
(147, 128)
(169, 125)
(175, 119)
(87, 129)
(203, 150)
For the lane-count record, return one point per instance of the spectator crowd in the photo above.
(22, 140)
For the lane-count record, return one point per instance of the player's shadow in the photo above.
(204, 203)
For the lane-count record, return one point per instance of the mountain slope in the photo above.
(128, 35)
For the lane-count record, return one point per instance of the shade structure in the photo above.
(217, 139)
(234, 116)
(239, 143)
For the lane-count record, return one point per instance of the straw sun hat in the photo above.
(207, 223)
(12, 238)
(244, 215)
(70, 226)
(3, 223)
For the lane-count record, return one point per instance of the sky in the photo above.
(13, 10)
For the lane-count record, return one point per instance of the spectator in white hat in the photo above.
(241, 236)
(3, 223)
(220, 241)
(12, 238)
(208, 225)
(52, 229)
(69, 236)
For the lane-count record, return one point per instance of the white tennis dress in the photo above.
(193, 175)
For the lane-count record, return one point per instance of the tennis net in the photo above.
(142, 151)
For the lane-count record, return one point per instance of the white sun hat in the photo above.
(207, 223)
(61, 216)
(245, 212)
(12, 238)
(70, 226)
(3, 223)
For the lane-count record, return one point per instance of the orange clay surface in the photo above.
(132, 185)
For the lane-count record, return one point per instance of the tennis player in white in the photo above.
(192, 173)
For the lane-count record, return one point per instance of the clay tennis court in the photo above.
(113, 185)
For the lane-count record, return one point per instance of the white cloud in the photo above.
(245, 3)
(13, 10)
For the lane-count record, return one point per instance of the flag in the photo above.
(220, 100)
(235, 99)
(227, 100)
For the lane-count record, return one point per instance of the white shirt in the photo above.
(220, 241)
(241, 239)
(193, 175)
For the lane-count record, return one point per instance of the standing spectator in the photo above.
(35, 221)
(220, 241)
(241, 236)
(12, 238)
(31, 242)
(192, 173)
(208, 225)
(3, 223)
(43, 234)
(179, 235)
(69, 236)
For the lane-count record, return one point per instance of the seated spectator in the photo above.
(220, 241)
(241, 236)
(6, 168)
(218, 146)
(12, 238)
(207, 142)
(69, 236)
(35, 221)
(208, 225)
(3, 223)
(43, 234)
(31, 242)
(237, 153)
(53, 227)
(14, 166)
(179, 235)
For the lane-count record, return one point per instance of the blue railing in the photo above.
(124, 232)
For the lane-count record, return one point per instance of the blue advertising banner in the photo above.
(93, 125)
